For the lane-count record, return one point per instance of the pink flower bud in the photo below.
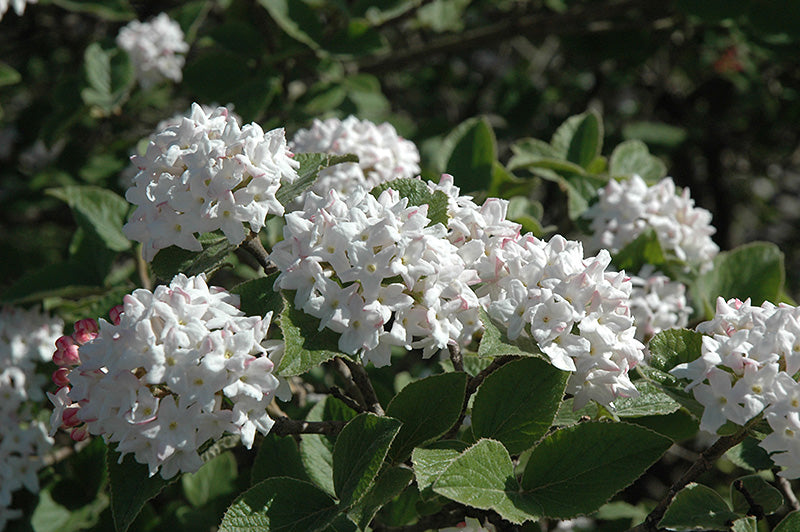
(70, 416)
(85, 330)
(79, 433)
(115, 314)
(66, 352)
(61, 376)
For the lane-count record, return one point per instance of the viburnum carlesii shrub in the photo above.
(26, 339)
(626, 209)
(382, 154)
(19, 8)
(205, 174)
(657, 303)
(375, 271)
(156, 49)
(746, 368)
(572, 306)
(179, 366)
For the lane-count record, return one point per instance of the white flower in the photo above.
(374, 271)
(155, 382)
(575, 310)
(470, 525)
(19, 8)
(206, 174)
(155, 49)
(657, 303)
(626, 209)
(382, 154)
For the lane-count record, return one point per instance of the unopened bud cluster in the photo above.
(175, 368)
(748, 359)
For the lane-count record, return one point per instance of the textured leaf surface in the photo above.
(310, 166)
(427, 408)
(633, 157)
(97, 210)
(316, 450)
(762, 493)
(698, 506)
(495, 342)
(173, 260)
(517, 403)
(429, 462)
(278, 456)
(257, 296)
(390, 483)
(215, 479)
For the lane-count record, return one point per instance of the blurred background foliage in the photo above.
(711, 87)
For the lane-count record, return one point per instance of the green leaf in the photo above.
(429, 462)
(257, 296)
(483, 477)
(528, 150)
(752, 271)
(576, 469)
(173, 260)
(587, 140)
(469, 153)
(517, 403)
(495, 342)
(418, 193)
(559, 166)
(50, 516)
(306, 345)
(632, 157)
(114, 10)
(698, 506)
(297, 19)
(790, 523)
(131, 486)
(389, 484)
(215, 479)
(99, 211)
(750, 455)
(316, 450)
(110, 77)
(63, 279)
(280, 504)
(651, 401)
(761, 492)
(674, 346)
(427, 408)
(8, 76)
(645, 249)
(358, 454)
(278, 456)
(310, 166)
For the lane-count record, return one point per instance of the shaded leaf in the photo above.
(469, 153)
(389, 484)
(632, 157)
(99, 211)
(698, 506)
(173, 260)
(257, 296)
(278, 456)
(418, 193)
(215, 479)
(761, 492)
(310, 166)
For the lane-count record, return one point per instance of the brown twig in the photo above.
(703, 464)
(284, 426)
(346, 399)
(361, 379)
(350, 387)
(472, 387)
(788, 493)
(252, 244)
(455, 357)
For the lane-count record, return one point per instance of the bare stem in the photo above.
(346, 399)
(361, 379)
(786, 488)
(455, 357)
(284, 426)
(252, 244)
(350, 388)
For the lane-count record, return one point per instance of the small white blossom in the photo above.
(626, 209)
(156, 49)
(205, 174)
(746, 368)
(657, 303)
(382, 154)
(19, 8)
(375, 271)
(182, 366)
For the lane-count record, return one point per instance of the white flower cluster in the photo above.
(382, 154)
(374, 271)
(626, 209)
(19, 8)
(181, 366)
(204, 174)
(657, 303)
(575, 310)
(26, 338)
(746, 368)
(155, 49)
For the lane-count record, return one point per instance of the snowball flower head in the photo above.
(155, 49)
(657, 303)
(575, 310)
(181, 366)
(375, 271)
(205, 174)
(748, 359)
(19, 8)
(26, 338)
(626, 209)
(382, 154)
